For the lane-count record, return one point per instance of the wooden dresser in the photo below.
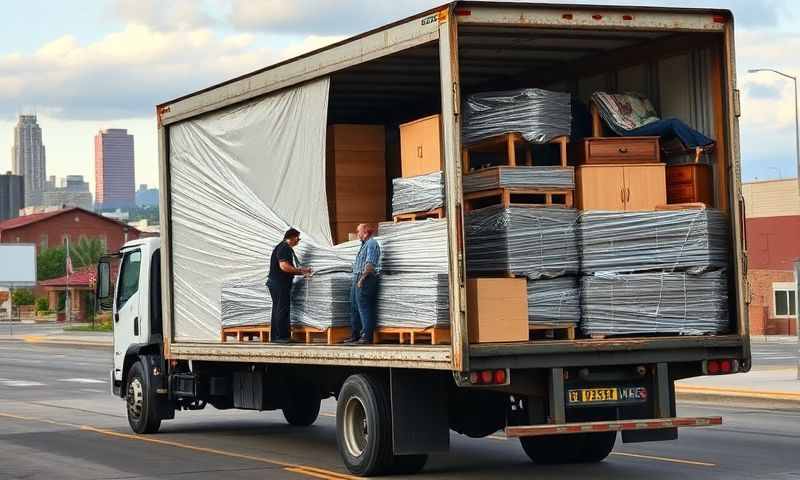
(617, 150)
(620, 187)
(355, 177)
(690, 183)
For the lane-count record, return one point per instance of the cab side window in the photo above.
(129, 277)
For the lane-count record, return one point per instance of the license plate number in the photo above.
(584, 396)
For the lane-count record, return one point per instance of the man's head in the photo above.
(364, 231)
(292, 237)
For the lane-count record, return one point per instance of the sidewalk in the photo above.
(86, 339)
(773, 385)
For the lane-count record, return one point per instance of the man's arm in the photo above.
(373, 255)
(287, 267)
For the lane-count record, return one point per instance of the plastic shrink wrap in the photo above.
(413, 300)
(417, 194)
(539, 115)
(520, 177)
(654, 303)
(322, 300)
(414, 247)
(692, 240)
(530, 241)
(245, 304)
(554, 300)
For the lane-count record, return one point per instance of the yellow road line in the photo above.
(665, 459)
(738, 392)
(295, 468)
(497, 437)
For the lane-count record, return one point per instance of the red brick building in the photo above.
(51, 229)
(773, 245)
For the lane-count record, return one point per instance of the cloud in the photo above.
(320, 17)
(164, 16)
(762, 91)
(125, 73)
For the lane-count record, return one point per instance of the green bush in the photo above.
(23, 297)
(42, 305)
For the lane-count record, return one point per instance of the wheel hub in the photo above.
(356, 428)
(135, 398)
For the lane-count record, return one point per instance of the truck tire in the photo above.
(408, 464)
(364, 426)
(302, 411)
(569, 448)
(142, 412)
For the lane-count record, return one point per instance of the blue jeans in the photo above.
(362, 304)
(670, 128)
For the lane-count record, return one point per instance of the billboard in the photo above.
(17, 264)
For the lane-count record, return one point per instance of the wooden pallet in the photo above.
(412, 336)
(250, 333)
(540, 331)
(414, 216)
(513, 196)
(507, 144)
(330, 336)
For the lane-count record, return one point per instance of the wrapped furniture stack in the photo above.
(657, 272)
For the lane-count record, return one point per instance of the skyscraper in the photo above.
(113, 168)
(72, 191)
(28, 157)
(12, 195)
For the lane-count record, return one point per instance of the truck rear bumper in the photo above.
(611, 426)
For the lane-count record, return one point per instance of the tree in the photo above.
(42, 305)
(86, 252)
(23, 296)
(51, 263)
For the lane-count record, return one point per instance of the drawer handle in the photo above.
(622, 195)
(419, 151)
(623, 149)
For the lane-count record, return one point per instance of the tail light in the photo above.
(496, 377)
(720, 367)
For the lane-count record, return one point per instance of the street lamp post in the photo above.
(797, 158)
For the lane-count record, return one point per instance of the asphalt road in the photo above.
(57, 421)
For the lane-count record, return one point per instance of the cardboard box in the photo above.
(497, 310)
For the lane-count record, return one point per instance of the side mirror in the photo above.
(103, 290)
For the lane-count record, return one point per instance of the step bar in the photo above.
(611, 426)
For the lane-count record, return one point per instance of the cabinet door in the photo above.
(420, 151)
(600, 188)
(645, 187)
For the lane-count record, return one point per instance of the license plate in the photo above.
(608, 395)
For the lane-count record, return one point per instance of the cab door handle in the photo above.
(136, 326)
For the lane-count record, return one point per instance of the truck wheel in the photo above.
(363, 426)
(569, 448)
(142, 414)
(597, 446)
(302, 411)
(407, 464)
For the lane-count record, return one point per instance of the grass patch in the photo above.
(98, 327)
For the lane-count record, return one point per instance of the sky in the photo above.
(83, 66)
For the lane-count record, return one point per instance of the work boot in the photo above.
(364, 341)
(350, 340)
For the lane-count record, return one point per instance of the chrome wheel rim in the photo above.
(135, 398)
(356, 430)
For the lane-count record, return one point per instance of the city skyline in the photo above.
(114, 168)
(28, 158)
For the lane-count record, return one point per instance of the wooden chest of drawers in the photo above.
(690, 183)
(617, 150)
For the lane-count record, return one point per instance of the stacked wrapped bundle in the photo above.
(691, 240)
(413, 300)
(655, 303)
(535, 242)
(338, 258)
(417, 194)
(554, 300)
(244, 304)
(414, 247)
(322, 301)
(539, 115)
(520, 177)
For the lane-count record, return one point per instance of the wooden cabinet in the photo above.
(355, 177)
(690, 183)
(621, 187)
(618, 150)
(420, 146)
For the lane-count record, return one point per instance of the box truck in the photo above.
(243, 159)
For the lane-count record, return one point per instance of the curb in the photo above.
(40, 340)
(732, 395)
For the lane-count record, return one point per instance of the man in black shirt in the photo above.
(282, 269)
